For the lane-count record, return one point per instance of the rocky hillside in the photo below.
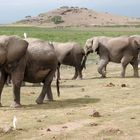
(77, 17)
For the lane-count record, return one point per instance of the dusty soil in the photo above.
(72, 116)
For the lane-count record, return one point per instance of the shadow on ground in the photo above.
(68, 103)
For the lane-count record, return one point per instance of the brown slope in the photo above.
(74, 16)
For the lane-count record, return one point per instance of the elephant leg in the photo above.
(76, 74)
(17, 77)
(102, 67)
(41, 97)
(46, 90)
(2, 82)
(135, 68)
(125, 61)
(80, 76)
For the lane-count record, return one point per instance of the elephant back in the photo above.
(41, 52)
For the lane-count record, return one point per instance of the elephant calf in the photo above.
(70, 54)
(123, 49)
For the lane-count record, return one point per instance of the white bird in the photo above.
(25, 35)
(14, 122)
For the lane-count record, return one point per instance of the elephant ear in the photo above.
(135, 41)
(89, 42)
(95, 44)
(3, 49)
(2, 55)
(137, 44)
(16, 48)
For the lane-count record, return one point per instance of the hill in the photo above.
(77, 17)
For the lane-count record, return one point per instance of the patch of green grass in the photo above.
(79, 35)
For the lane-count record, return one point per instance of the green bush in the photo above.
(57, 19)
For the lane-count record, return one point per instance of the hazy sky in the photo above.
(13, 10)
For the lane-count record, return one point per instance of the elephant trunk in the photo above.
(83, 63)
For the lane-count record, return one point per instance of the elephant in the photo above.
(41, 66)
(123, 49)
(38, 65)
(71, 54)
(12, 58)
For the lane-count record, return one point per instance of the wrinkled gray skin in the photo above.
(38, 65)
(70, 54)
(12, 62)
(121, 49)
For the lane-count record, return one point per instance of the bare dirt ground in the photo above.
(92, 109)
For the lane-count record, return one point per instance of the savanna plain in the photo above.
(93, 108)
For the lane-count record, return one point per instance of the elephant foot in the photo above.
(103, 76)
(15, 105)
(39, 101)
(79, 78)
(73, 78)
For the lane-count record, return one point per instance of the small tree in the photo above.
(57, 19)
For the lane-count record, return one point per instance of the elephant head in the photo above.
(12, 48)
(88, 46)
(135, 41)
(92, 44)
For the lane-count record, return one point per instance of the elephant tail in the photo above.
(57, 85)
(83, 63)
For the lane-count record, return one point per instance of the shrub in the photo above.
(57, 19)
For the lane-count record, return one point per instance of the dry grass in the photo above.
(70, 116)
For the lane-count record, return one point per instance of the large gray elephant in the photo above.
(41, 66)
(123, 49)
(38, 65)
(12, 62)
(71, 54)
